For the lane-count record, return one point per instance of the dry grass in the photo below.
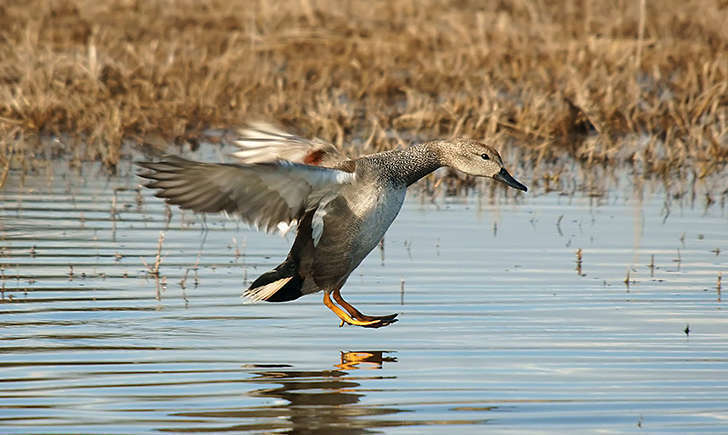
(597, 80)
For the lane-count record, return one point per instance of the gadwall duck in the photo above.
(341, 206)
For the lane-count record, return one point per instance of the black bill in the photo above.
(504, 177)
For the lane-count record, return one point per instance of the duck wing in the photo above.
(269, 196)
(263, 142)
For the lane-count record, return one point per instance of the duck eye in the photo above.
(485, 156)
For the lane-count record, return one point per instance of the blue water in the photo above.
(501, 328)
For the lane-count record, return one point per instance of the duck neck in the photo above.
(413, 163)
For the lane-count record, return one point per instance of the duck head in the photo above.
(479, 159)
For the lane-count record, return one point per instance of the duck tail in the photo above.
(281, 284)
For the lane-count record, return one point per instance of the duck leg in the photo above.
(356, 314)
(345, 317)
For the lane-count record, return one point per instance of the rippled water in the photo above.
(502, 326)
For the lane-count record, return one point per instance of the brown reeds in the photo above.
(718, 284)
(603, 81)
(153, 269)
(579, 260)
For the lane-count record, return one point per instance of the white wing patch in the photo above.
(285, 227)
(262, 293)
(317, 223)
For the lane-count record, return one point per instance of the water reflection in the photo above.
(367, 359)
(92, 342)
(324, 401)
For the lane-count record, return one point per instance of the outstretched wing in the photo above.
(262, 142)
(264, 195)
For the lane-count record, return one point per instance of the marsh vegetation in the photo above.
(606, 82)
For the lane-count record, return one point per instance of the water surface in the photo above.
(503, 325)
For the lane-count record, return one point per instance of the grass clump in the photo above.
(602, 81)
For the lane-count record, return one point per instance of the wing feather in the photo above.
(264, 195)
(262, 142)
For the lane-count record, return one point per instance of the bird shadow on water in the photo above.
(323, 401)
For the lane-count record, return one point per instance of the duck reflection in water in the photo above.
(321, 401)
(326, 387)
(368, 359)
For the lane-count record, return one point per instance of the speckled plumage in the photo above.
(342, 206)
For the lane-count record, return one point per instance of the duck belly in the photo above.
(351, 225)
(378, 214)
